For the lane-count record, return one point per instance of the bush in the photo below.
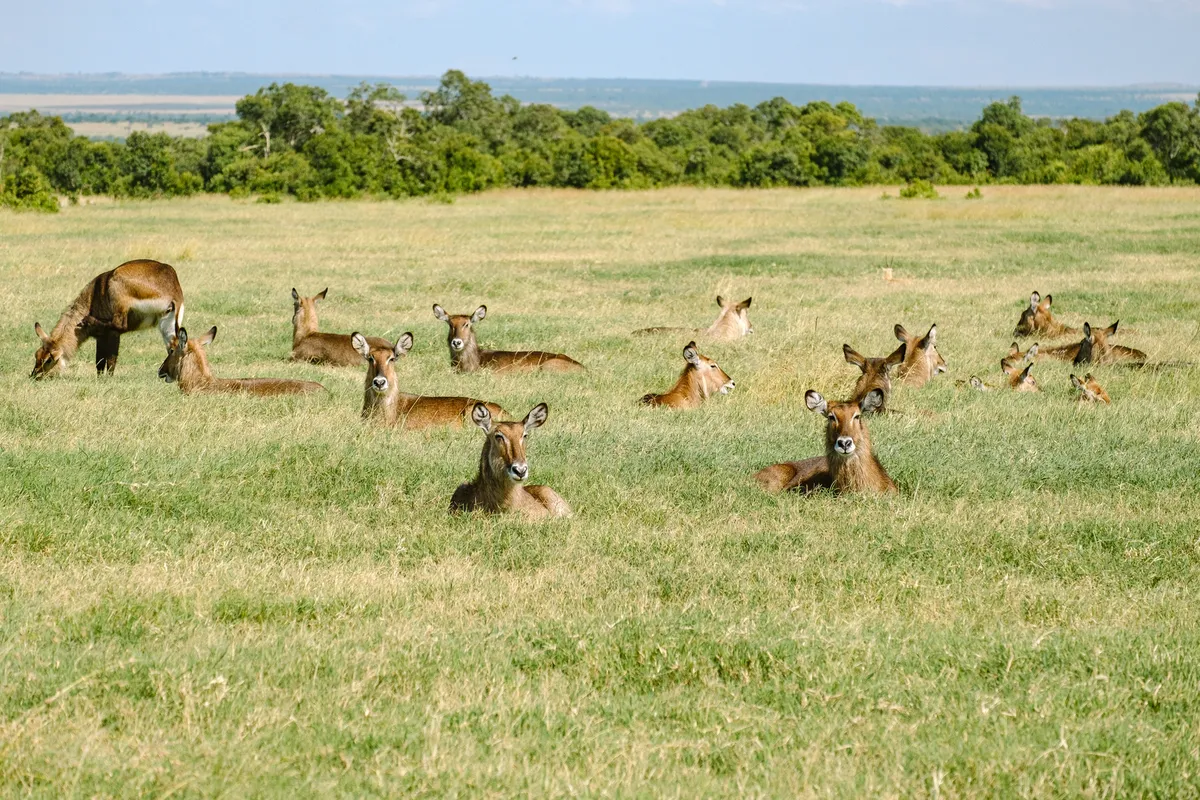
(975, 194)
(29, 191)
(919, 189)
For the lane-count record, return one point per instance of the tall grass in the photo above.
(208, 595)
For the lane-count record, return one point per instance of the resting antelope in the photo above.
(1038, 319)
(876, 373)
(848, 465)
(386, 405)
(187, 365)
(1095, 348)
(1019, 379)
(309, 344)
(503, 468)
(466, 356)
(1090, 391)
(135, 296)
(700, 379)
(732, 323)
(922, 361)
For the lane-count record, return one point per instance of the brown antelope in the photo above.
(876, 373)
(309, 344)
(732, 323)
(187, 365)
(503, 468)
(922, 361)
(848, 464)
(700, 379)
(1090, 391)
(1038, 319)
(135, 296)
(466, 356)
(1095, 348)
(1016, 357)
(1019, 379)
(386, 405)
(975, 383)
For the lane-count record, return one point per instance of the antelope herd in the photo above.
(142, 294)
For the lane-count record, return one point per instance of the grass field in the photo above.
(241, 597)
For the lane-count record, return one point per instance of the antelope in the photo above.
(700, 379)
(922, 361)
(135, 296)
(1016, 357)
(1095, 348)
(848, 465)
(732, 323)
(1090, 391)
(1019, 379)
(466, 356)
(309, 344)
(975, 383)
(187, 365)
(876, 372)
(499, 484)
(386, 405)
(1038, 319)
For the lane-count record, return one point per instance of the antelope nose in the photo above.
(457, 344)
(519, 471)
(380, 383)
(845, 444)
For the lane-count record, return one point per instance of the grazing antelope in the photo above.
(466, 356)
(309, 344)
(1090, 391)
(876, 373)
(503, 468)
(135, 296)
(1095, 348)
(700, 379)
(386, 405)
(848, 464)
(732, 323)
(922, 361)
(187, 365)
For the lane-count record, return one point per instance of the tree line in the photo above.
(298, 140)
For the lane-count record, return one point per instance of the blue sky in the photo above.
(896, 42)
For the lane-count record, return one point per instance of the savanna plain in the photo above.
(233, 596)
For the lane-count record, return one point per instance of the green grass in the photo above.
(205, 595)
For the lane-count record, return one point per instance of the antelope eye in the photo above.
(856, 416)
(832, 417)
(391, 359)
(499, 437)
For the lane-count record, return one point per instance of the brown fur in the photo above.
(187, 365)
(471, 358)
(1090, 390)
(733, 322)
(922, 361)
(135, 296)
(876, 373)
(1095, 348)
(1016, 367)
(309, 344)
(700, 379)
(495, 488)
(1037, 319)
(386, 406)
(855, 471)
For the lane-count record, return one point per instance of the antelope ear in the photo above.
(1049, 300)
(1025, 373)
(536, 416)
(1112, 329)
(295, 295)
(1078, 384)
(169, 316)
(720, 301)
(359, 343)
(182, 338)
(1013, 350)
(1032, 352)
(482, 417)
(854, 357)
(690, 355)
(440, 313)
(403, 344)
(872, 402)
(1007, 367)
(900, 332)
(897, 357)
(930, 338)
(41, 334)
(1034, 299)
(321, 295)
(815, 402)
(744, 304)
(479, 314)
(209, 337)
(976, 383)
(1087, 331)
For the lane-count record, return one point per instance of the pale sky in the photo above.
(885, 42)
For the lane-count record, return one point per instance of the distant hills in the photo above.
(924, 106)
